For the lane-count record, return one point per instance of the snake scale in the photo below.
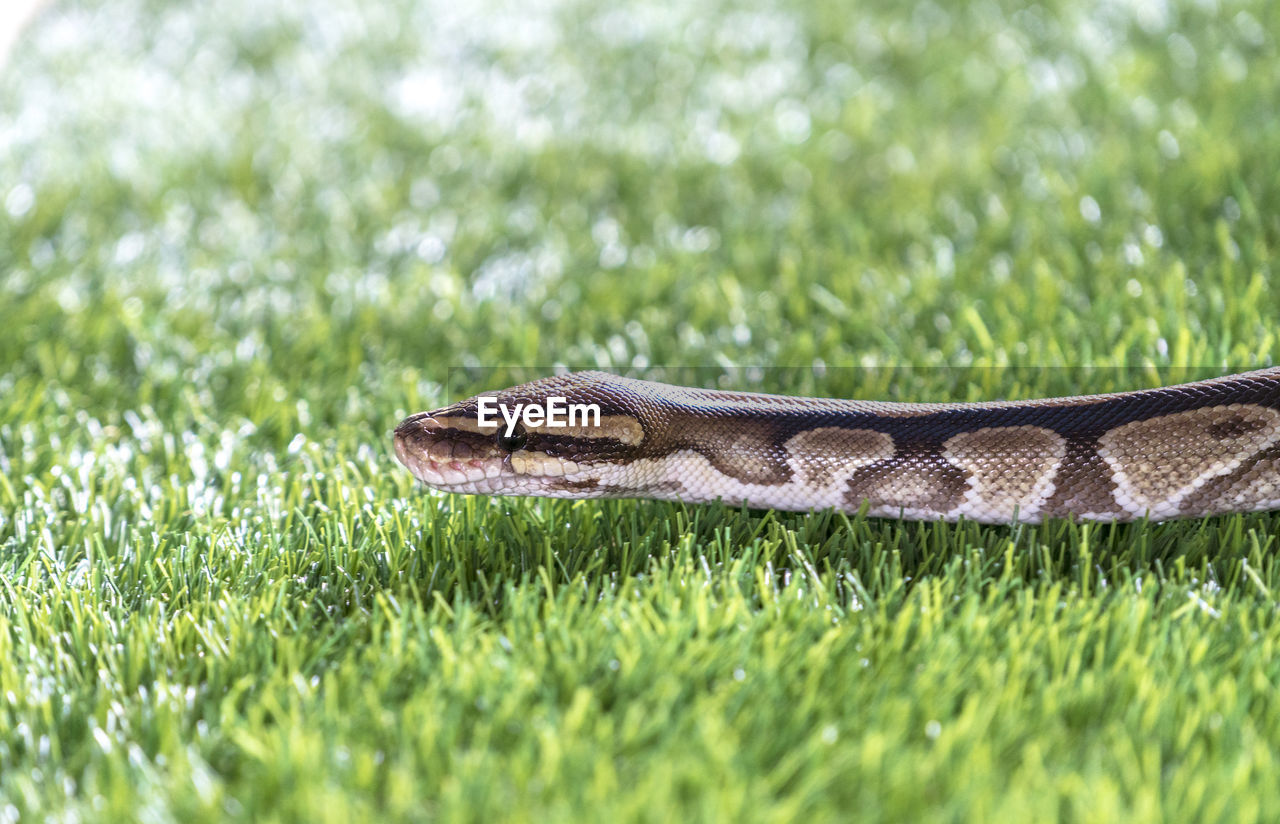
(1190, 450)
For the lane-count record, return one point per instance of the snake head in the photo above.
(550, 437)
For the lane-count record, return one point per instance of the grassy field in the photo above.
(238, 241)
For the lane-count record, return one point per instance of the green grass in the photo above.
(238, 241)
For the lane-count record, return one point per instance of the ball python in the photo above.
(1190, 450)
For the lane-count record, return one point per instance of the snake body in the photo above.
(1191, 450)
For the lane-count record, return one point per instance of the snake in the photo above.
(1198, 449)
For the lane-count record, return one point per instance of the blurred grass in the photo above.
(239, 241)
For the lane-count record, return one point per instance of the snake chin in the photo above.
(439, 463)
(446, 474)
(437, 457)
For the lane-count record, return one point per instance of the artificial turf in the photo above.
(238, 241)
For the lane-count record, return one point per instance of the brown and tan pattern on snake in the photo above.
(1190, 450)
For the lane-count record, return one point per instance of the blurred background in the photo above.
(291, 212)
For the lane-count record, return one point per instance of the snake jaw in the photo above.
(421, 444)
(444, 450)
(434, 469)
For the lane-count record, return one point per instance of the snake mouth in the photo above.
(443, 451)
(435, 455)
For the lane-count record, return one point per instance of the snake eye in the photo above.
(510, 443)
